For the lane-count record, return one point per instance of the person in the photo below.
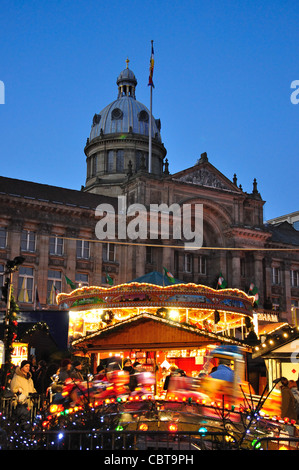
(288, 409)
(22, 384)
(75, 371)
(130, 369)
(65, 370)
(39, 377)
(223, 371)
(294, 389)
(173, 371)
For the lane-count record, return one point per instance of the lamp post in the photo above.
(11, 267)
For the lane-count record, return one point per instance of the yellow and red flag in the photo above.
(151, 69)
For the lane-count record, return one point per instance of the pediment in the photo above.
(206, 175)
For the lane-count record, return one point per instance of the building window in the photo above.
(83, 250)
(276, 304)
(188, 263)
(109, 250)
(243, 267)
(25, 286)
(81, 280)
(110, 161)
(294, 278)
(276, 276)
(3, 237)
(141, 160)
(202, 265)
(94, 165)
(27, 241)
(56, 246)
(149, 255)
(119, 161)
(1, 275)
(53, 286)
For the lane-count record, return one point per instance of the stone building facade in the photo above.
(55, 228)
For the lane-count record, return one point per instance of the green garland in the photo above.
(10, 333)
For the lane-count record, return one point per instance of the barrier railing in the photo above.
(119, 441)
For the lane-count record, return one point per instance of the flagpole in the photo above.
(151, 84)
(150, 132)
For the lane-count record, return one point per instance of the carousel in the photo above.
(156, 325)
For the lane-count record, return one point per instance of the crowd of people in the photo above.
(31, 378)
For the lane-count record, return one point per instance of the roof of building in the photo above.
(157, 278)
(52, 194)
(125, 114)
(284, 233)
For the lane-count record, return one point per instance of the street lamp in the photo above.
(11, 267)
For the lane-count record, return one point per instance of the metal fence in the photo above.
(119, 441)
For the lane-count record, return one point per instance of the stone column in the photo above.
(286, 278)
(41, 272)
(258, 274)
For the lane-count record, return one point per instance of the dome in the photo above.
(126, 76)
(122, 116)
(126, 114)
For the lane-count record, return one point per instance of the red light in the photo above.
(172, 427)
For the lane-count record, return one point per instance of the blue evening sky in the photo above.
(223, 74)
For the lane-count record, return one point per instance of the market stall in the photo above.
(155, 325)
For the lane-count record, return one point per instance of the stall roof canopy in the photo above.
(157, 278)
(147, 331)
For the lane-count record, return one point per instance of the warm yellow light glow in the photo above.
(174, 314)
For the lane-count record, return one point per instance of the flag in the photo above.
(52, 296)
(169, 276)
(23, 294)
(151, 68)
(221, 282)
(253, 290)
(36, 300)
(109, 279)
(70, 283)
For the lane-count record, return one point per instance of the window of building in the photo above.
(54, 286)
(94, 163)
(295, 311)
(81, 279)
(276, 275)
(276, 303)
(109, 250)
(28, 240)
(3, 237)
(56, 246)
(119, 161)
(295, 278)
(25, 285)
(202, 265)
(1, 275)
(83, 249)
(243, 267)
(116, 114)
(149, 255)
(110, 161)
(188, 263)
(141, 160)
